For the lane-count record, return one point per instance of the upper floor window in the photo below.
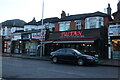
(93, 22)
(50, 26)
(64, 26)
(8, 31)
(78, 24)
(101, 23)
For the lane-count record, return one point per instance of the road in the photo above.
(28, 68)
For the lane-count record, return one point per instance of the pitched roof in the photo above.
(83, 16)
(33, 22)
(14, 23)
(48, 20)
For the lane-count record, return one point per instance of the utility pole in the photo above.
(41, 47)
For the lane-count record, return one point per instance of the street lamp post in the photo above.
(41, 49)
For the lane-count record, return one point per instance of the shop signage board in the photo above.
(26, 36)
(16, 36)
(85, 34)
(114, 30)
(38, 35)
(8, 37)
(71, 33)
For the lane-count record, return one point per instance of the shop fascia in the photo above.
(114, 30)
(16, 36)
(83, 34)
(72, 33)
(113, 41)
(39, 35)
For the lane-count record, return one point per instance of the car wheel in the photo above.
(55, 60)
(80, 62)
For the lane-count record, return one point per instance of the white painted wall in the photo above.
(35, 27)
(8, 31)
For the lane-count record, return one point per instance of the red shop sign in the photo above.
(72, 33)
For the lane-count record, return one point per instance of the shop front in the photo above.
(86, 41)
(28, 47)
(7, 44)
(114, 41)
(16, 44)
(36, 39)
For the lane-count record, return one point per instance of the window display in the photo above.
(7, 45)
(116, 49)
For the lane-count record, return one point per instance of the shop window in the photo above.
(7, 45)
(116, 49)
(16, 50)
(116, 45)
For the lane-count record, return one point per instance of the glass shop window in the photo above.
(116, 45)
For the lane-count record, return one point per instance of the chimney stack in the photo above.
(118, 6)
(109, 10)
(63, 14)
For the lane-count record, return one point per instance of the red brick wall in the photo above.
(56, 27)
(72, 25)
(106, 21)
(117, 16)
(83, 24)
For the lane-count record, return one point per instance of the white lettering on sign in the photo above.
(38, 35)
(114, 30)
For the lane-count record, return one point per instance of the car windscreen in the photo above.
(77, 51)
(60, 50)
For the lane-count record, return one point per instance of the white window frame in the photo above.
(64, 26)
(78, 24)
(50, 26)
(98, 22)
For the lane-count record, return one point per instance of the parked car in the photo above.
(72, 55)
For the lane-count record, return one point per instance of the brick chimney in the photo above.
(63, 14)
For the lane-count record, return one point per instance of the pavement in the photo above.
(108, 62)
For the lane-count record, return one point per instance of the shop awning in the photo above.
(46, 42)
(73, 41)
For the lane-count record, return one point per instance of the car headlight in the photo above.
(51, 53)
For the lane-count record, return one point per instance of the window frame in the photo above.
(64, 26)
(78, 24)
(98, 22)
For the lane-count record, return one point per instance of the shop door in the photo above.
(33, 48)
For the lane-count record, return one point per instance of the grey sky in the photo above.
(27, 9)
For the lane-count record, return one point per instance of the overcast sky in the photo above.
(27, 9)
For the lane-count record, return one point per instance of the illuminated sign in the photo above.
(72, 33)
(83, 34)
